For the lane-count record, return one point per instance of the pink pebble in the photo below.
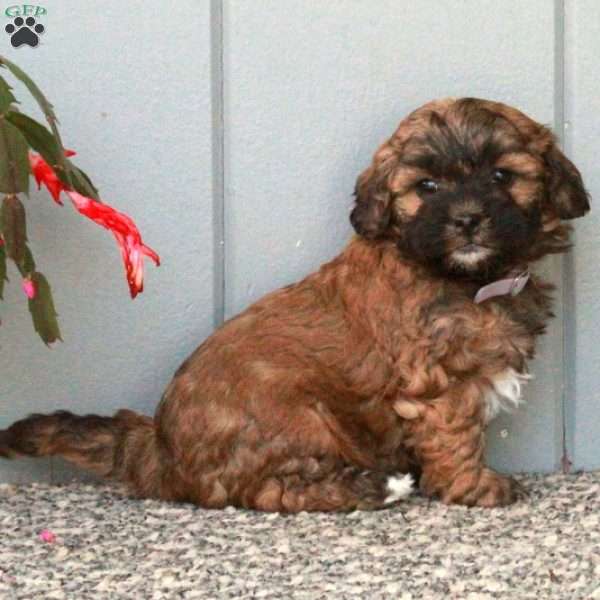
(47, 536)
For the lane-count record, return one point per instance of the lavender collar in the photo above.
(512, 285)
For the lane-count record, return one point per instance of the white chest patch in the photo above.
(504, 393)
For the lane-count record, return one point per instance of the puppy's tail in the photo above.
(124, 447)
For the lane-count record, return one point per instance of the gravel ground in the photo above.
(108, 546)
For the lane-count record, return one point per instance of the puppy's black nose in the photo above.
(467, 222)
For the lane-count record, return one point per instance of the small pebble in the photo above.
(47, 536)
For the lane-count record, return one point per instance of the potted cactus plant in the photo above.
(29, 148)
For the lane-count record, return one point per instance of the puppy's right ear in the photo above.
(371, 214)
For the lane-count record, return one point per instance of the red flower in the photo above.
(123, 228)
(44, 173)
(126, 233)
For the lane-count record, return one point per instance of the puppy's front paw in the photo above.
(484, 488)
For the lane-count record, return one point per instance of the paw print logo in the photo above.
(24, 32)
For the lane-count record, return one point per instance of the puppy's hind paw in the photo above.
(399, 486)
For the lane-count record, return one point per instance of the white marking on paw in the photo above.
(505, 392)
(399, 487)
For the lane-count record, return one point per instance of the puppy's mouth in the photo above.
(470, 255)
(473, 248)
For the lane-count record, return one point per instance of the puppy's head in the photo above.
(470, 188)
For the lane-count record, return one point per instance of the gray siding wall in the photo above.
(233, 133)
(582, 281)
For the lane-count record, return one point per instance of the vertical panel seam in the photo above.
(218, 159)
(560, 129)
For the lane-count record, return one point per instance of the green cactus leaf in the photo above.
(34, 90)
(14, 162)
(37, 136)
(14, 230)
(42, 310)
(6, 96)
(81, 182)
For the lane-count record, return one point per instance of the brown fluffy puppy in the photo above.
(323, 394)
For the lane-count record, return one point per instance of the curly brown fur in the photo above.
(379, 363)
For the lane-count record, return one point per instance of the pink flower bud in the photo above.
(29, 288)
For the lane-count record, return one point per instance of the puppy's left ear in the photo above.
(567, 195)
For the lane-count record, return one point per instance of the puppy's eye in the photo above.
(428, 186)
(501, 177)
